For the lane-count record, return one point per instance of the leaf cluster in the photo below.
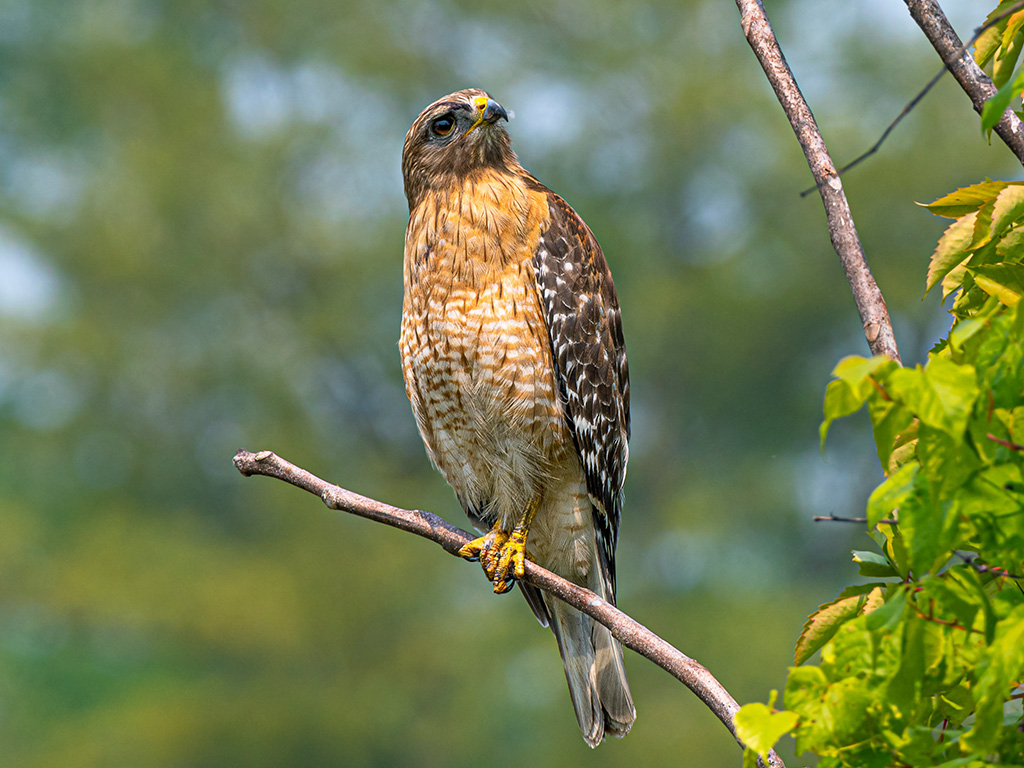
(1000, 46)
(923, 664)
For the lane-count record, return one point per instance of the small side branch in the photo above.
(838, 519)
(874, 314)
(626, 630)
(975, 83)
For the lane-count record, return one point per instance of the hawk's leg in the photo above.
(503, 555)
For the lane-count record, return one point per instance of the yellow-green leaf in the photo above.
(1004, 281)
(991, 39)
(941, 395)
(1013, 25)
(967, 199)
(854, 369)
(1006, 61)
(759, 728)
(890, 494)
(988, 43)
(822, 625)
(1008, 209)
(951, 251)
(983, 225)
(994, 108)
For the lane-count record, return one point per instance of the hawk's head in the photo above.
(451, 139)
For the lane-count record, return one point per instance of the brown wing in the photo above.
(585, 330)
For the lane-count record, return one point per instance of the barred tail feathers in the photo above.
(594, 670)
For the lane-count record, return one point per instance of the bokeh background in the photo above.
(201, 226)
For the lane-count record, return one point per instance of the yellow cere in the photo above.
(481, 105)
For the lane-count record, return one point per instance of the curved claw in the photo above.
(480, 548)
(502, 557)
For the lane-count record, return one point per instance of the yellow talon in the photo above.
(482, 548)
(503, 555)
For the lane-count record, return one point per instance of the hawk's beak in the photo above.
(488, 111)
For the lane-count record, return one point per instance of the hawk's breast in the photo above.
(476, 354)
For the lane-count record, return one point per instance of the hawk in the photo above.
(515, 365)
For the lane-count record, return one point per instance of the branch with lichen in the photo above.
(631, 633)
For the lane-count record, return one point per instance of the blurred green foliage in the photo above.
(201, 225)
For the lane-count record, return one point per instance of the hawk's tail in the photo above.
(594, 670)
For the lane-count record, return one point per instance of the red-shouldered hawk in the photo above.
(515, 366)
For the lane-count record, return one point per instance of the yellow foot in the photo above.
(502, 556)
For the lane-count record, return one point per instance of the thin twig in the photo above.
(870, 303)
(924, 91)
(946, 623)
(1005, 443)
(975, 83)
(997, 570)
(625, 629)
(838, 519)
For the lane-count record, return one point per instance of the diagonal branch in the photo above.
(626, 630)
(976, 84)
(870, 303)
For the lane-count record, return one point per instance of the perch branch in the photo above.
(626, 630)
(975, 83)
(874, 315)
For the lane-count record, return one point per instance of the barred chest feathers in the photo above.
(475, 350)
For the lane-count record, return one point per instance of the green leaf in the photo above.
(991, 39)
(990, 620)
(1001, 671)
(983, 225)
(890, 494)
(851, 387)
(994, 108)
(822, 625)
(1009, 52)
(966, 329)
(840, 400)
(967, 199)
(1004, 281)
(905, 448)
(905, 684)
(854, 369)
(887, 614)
(889, 420)
(954, 601)
(947, 460)
(920, 525)
(956, 280)
(873, 565)
(960, 762)
(952, 250)
(986, 45)
(847, 703)
(894, 548)
(1008, 208)
(805, 694)
(1013, 25)
(759, 728)
(1011, 245)
(955, 390)
(942, 395)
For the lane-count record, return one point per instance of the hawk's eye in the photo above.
(442, 126)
